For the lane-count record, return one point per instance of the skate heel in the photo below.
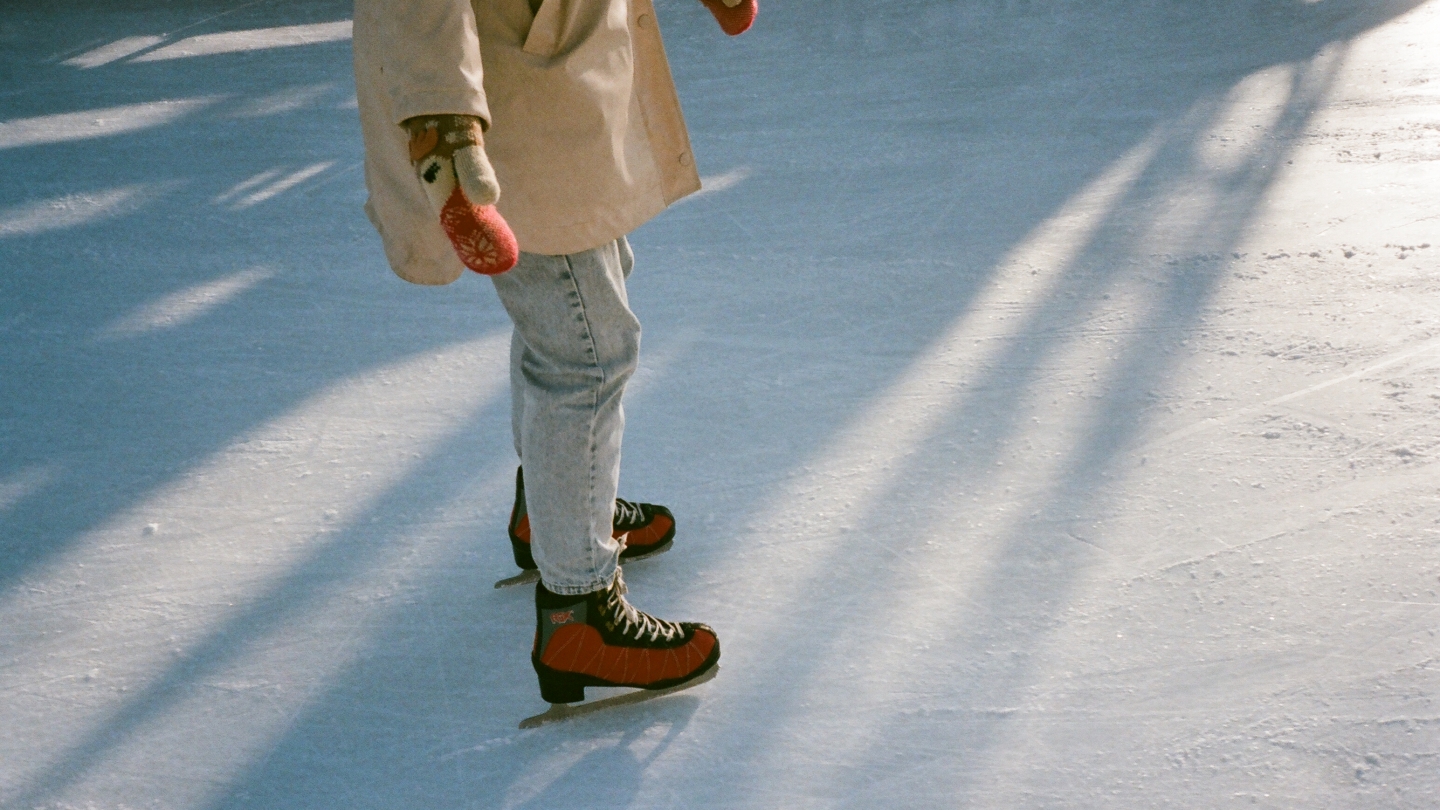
(559, 687)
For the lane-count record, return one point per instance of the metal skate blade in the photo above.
(529, 577)
(569, 711)
(647, 555)
(522, 578)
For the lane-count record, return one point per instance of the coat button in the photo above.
(684, 158)
(643, 21)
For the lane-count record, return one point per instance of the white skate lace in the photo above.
(627, 513)
(636, 623)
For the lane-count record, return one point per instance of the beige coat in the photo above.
(583, 124)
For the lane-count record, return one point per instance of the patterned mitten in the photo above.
(448, 152)
(735, 16)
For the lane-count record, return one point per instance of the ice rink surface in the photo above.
(1047, 392)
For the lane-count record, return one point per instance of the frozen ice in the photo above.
(1046, 392)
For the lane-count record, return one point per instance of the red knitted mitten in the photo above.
(481, 238)
(735, 16)
(448, 152)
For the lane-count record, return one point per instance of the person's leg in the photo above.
(648, 529)
(576, 344)
(517, 354)
(517, 388)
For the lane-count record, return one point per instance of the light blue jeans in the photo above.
(575, 345)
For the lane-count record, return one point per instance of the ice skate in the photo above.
(646, 529)
(600, 639)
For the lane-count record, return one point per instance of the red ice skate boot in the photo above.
(647, 529)
(600, 639)
(735, 16)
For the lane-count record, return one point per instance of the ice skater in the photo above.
(568, 106)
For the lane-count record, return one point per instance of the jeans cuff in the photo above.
(599, 584)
